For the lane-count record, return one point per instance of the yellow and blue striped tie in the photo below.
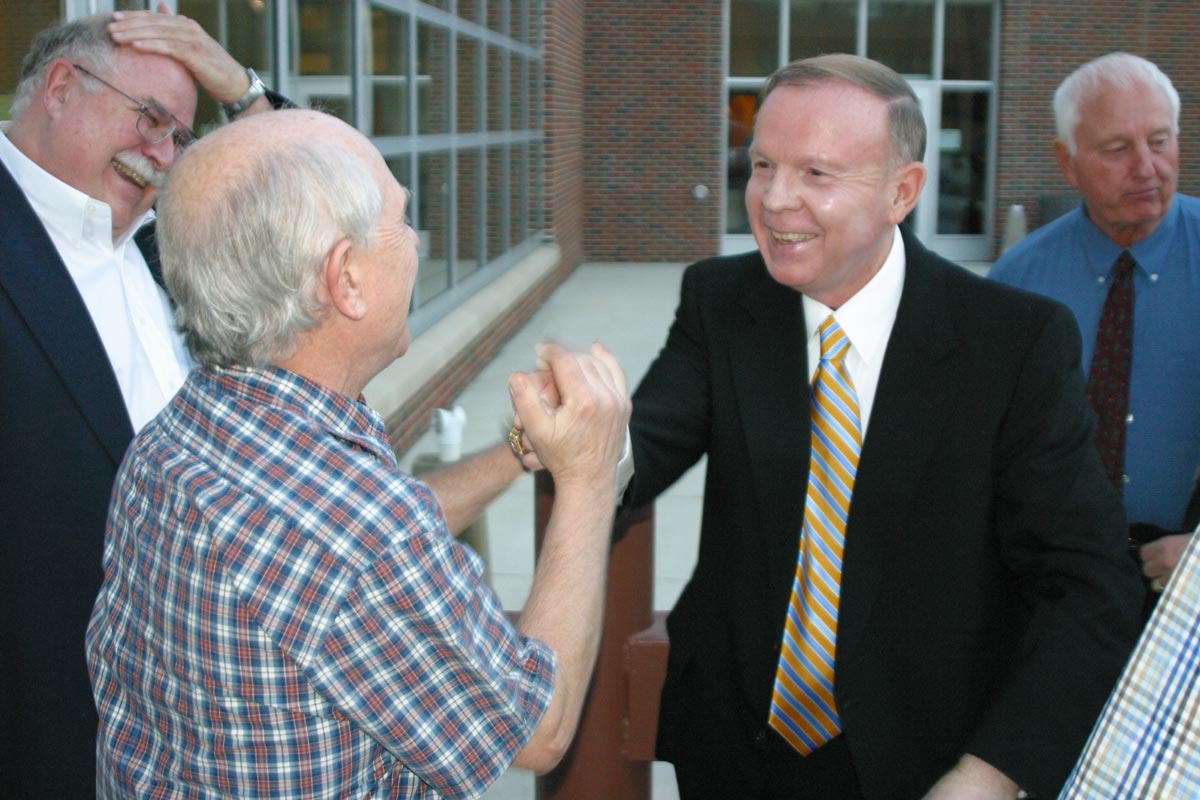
(803, 709)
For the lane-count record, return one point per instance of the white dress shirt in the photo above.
(130, 311)
(866, 318)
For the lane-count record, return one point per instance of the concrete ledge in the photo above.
(435, 348)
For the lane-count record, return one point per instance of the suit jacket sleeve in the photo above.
(1060, 535)
(672, 405)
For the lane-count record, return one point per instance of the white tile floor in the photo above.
(629, 308)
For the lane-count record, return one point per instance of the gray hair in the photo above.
(243, 259)
(904, 111)
(1120, 70)
(85, 40)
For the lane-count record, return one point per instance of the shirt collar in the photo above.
(62, 208)
(1152, 254)
(867, 317)
(352, 421)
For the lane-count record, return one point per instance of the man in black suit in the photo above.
(977, 603)
(88, 352)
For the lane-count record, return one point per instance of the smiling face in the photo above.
(1126, 161)
(822, 199)
(95, 145)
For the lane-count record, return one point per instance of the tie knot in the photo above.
(1125, 264)
(834, 343)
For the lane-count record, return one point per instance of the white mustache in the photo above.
(142, 166)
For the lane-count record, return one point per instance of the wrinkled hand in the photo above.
(1162, 555)
(543, 385)
(574, 410)
(181, 38)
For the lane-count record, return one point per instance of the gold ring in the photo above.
(514, 441)
(1158, 584)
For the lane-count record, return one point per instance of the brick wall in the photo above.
(1041, 43)
(652, 129)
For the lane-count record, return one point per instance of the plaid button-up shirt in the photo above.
(1147, 742)
(284, 613)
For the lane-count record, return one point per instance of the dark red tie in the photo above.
(1108, 380)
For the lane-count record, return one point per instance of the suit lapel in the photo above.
(769, 362)
(148, 244)
(35, 278)
(917, 386)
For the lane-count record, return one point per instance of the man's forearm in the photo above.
(466, 487)
(565, 609)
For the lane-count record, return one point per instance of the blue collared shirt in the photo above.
(284, 613)
(1072, 261)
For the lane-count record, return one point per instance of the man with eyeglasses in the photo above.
(88, 348)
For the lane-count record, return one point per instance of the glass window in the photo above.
(968, 42)
(753, 37)
(900, 34)
(467, 69)
(497, 85)
(389, 74)
(518, 20)
(533, 188)
(496, 206)
(518, 195)
(742, 106)
(518, 82)
(962, 159)
(321, 68)
(469, 213)
(244, 29)
(469, 10)
(497, 15)
(433, 78)
(432, 221)
(822, 26)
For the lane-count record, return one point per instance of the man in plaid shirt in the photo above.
(284, 612)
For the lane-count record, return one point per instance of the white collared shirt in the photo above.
(130, 311)
(867, 320)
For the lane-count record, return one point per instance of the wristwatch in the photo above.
(257, 89)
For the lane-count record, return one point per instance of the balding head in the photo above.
(249, 215)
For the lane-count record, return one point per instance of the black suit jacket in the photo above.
(63, 432)
(987, 600)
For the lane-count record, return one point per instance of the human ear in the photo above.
(906, 185)
(56, 90)
(1065, 162)
(342, 280)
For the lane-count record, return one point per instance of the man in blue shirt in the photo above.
(1117, 121)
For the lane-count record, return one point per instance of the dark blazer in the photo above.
(63, 432)
(987, 601)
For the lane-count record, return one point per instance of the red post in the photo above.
(596, 766)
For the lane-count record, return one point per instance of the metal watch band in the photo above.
(257, 89)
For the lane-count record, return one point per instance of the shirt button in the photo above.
(1124, 479)
(1129, 419)
(1154, 277)
(1101, 280)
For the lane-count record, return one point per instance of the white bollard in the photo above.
(1014, 227)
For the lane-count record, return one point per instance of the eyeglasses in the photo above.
(154, 122)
